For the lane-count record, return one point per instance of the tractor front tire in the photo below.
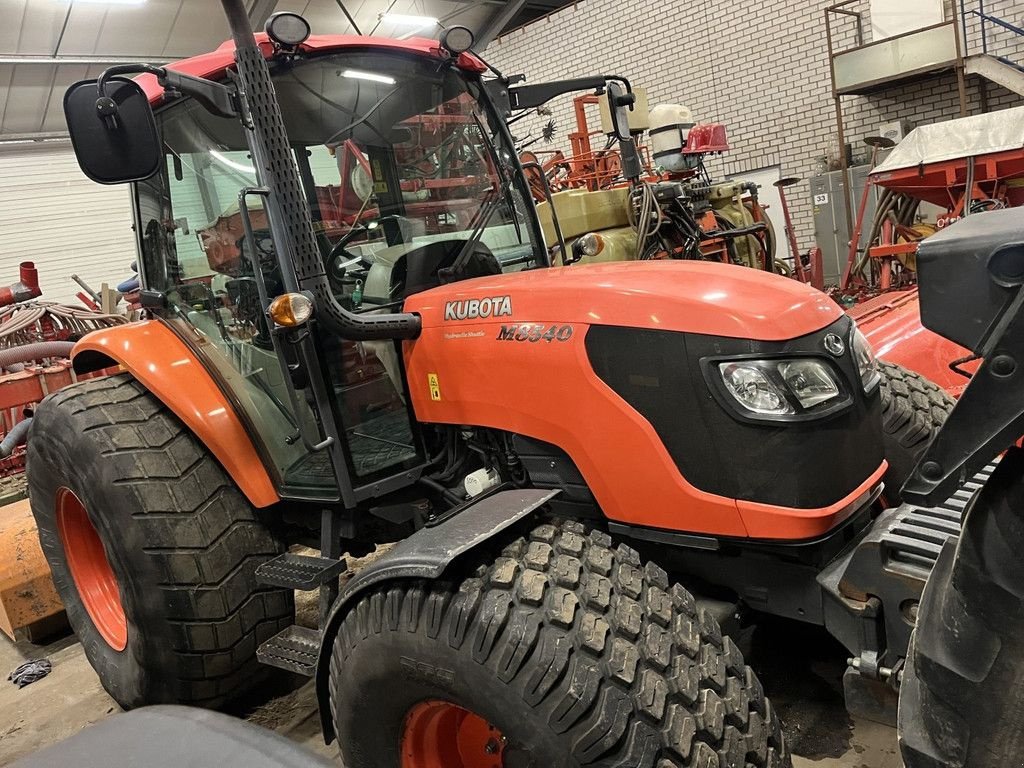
(564, 650)
(913, 411)
(152, 547)
(960, 699)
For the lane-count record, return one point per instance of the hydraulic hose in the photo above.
(28, 352)
(17, 436)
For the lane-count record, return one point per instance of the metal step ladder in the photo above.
(302, 572)
(296, 648)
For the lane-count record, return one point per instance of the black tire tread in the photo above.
(203, 536)
(618, 659)
(913, 411)
(913, 407)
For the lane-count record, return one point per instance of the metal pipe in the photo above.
(963, 25)
(80, 60)
(794, 251)
(847, 201)
(984, 32)
(960, 80)
(344, 10)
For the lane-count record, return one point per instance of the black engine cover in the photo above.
(809, 464)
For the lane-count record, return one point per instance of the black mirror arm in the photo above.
(215, 97)
(219, 99)
(125, 69)
(530, 96)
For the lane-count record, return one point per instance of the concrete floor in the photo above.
(800, 666)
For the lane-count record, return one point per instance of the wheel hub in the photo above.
(439, 734)
(90, 570)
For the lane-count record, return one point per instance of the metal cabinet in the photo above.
(831, 233)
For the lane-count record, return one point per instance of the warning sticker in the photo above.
(435, 387)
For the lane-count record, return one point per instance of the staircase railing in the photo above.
(986, 20)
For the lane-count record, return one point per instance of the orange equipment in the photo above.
(27, 595)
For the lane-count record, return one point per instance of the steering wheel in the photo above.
(338, 257)
(337, 260)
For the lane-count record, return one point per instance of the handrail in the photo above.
(986, 18)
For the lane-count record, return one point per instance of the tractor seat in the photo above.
(401, 270)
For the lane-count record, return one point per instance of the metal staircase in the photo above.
(991, 65)
(996, 69)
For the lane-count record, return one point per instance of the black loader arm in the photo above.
(971, 277)
(426, 555)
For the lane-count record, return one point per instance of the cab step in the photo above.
(295, 650)
(302, 572)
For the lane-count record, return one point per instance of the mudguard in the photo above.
(424, 555)
(163, 363)
(972, 292)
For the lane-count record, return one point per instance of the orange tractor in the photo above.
(546, 445)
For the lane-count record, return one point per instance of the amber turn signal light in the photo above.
(291, 309)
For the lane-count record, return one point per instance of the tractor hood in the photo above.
(695, 297)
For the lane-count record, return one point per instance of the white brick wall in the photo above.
(759, 66)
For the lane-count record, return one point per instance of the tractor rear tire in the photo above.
(960, 699)
(564, 650)
(913, 411)
(152, 547)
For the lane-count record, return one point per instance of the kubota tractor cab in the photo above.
(357, 338)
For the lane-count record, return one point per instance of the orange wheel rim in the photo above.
(90, 570)
(439, 734)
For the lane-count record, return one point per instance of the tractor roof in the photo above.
(213, 65)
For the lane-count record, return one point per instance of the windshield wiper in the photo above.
(483, 217)
(506, 179)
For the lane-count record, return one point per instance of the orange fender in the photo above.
(153, 354)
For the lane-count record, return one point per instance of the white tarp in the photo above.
(965, 137)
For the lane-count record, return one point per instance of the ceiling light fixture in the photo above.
(110, 2)
(358, 75)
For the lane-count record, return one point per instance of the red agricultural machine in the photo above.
(957, 168)
(36, 338)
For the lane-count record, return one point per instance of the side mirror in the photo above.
(113, 133)
(620, 101)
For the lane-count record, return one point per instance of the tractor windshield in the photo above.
(402, 166)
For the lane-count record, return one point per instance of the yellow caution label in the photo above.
(434, 385)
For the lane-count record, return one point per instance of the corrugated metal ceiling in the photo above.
(35, 32)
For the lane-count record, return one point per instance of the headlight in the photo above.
(810, 381)
(865, 358)
(794, 387)
(753, 389)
